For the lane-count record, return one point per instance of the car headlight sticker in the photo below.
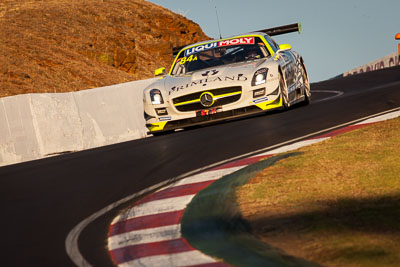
(156, 97)
(260, 77)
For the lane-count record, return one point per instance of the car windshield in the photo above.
(219, 53)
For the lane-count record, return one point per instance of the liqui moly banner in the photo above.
(235, 41)
(391, 60)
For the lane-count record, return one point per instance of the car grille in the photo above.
(223, 96)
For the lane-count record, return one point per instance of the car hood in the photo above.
(215, 77)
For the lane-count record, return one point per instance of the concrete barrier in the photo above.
(56, 122)
(18, 141)
(388, 61)
(34, 126)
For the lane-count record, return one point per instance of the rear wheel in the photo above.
(284, 92)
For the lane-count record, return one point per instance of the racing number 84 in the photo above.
(187, 59)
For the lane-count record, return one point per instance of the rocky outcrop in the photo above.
(70, 45)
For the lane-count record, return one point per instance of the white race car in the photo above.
(226, 78)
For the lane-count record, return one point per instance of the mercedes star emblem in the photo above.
(207, 99)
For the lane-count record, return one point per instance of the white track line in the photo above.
(206, 176)
(381, 118)
(294, 146)
(158, 234)
(156, 207)
(165, 205)
(338, 93)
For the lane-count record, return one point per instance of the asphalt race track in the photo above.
(41, 201)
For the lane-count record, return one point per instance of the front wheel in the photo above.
(284, 92)
(306, 86)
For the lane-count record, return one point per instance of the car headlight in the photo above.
(260, 77)
(156, 97)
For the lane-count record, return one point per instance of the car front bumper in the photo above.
(258, 105)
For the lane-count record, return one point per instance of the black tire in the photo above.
(306, 87)
(284, 92)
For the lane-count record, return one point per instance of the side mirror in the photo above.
(159, 72)
(284, 47)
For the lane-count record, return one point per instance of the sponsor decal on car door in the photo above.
(289, 67)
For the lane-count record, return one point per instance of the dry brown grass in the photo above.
(337, 204)
(69, 45)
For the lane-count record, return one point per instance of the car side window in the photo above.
(276, 45)
(272, 43)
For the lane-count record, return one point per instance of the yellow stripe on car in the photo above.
(215, 98)
(228, 94)
(158, 126)
(187, 102)
(270, 104)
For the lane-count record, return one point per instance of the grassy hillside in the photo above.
(336, 204)
(70, 45)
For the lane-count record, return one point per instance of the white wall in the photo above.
(34, 126)
(391, 60)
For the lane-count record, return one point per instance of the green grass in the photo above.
(337, 203)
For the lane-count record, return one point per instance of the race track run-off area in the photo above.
(149, 233)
